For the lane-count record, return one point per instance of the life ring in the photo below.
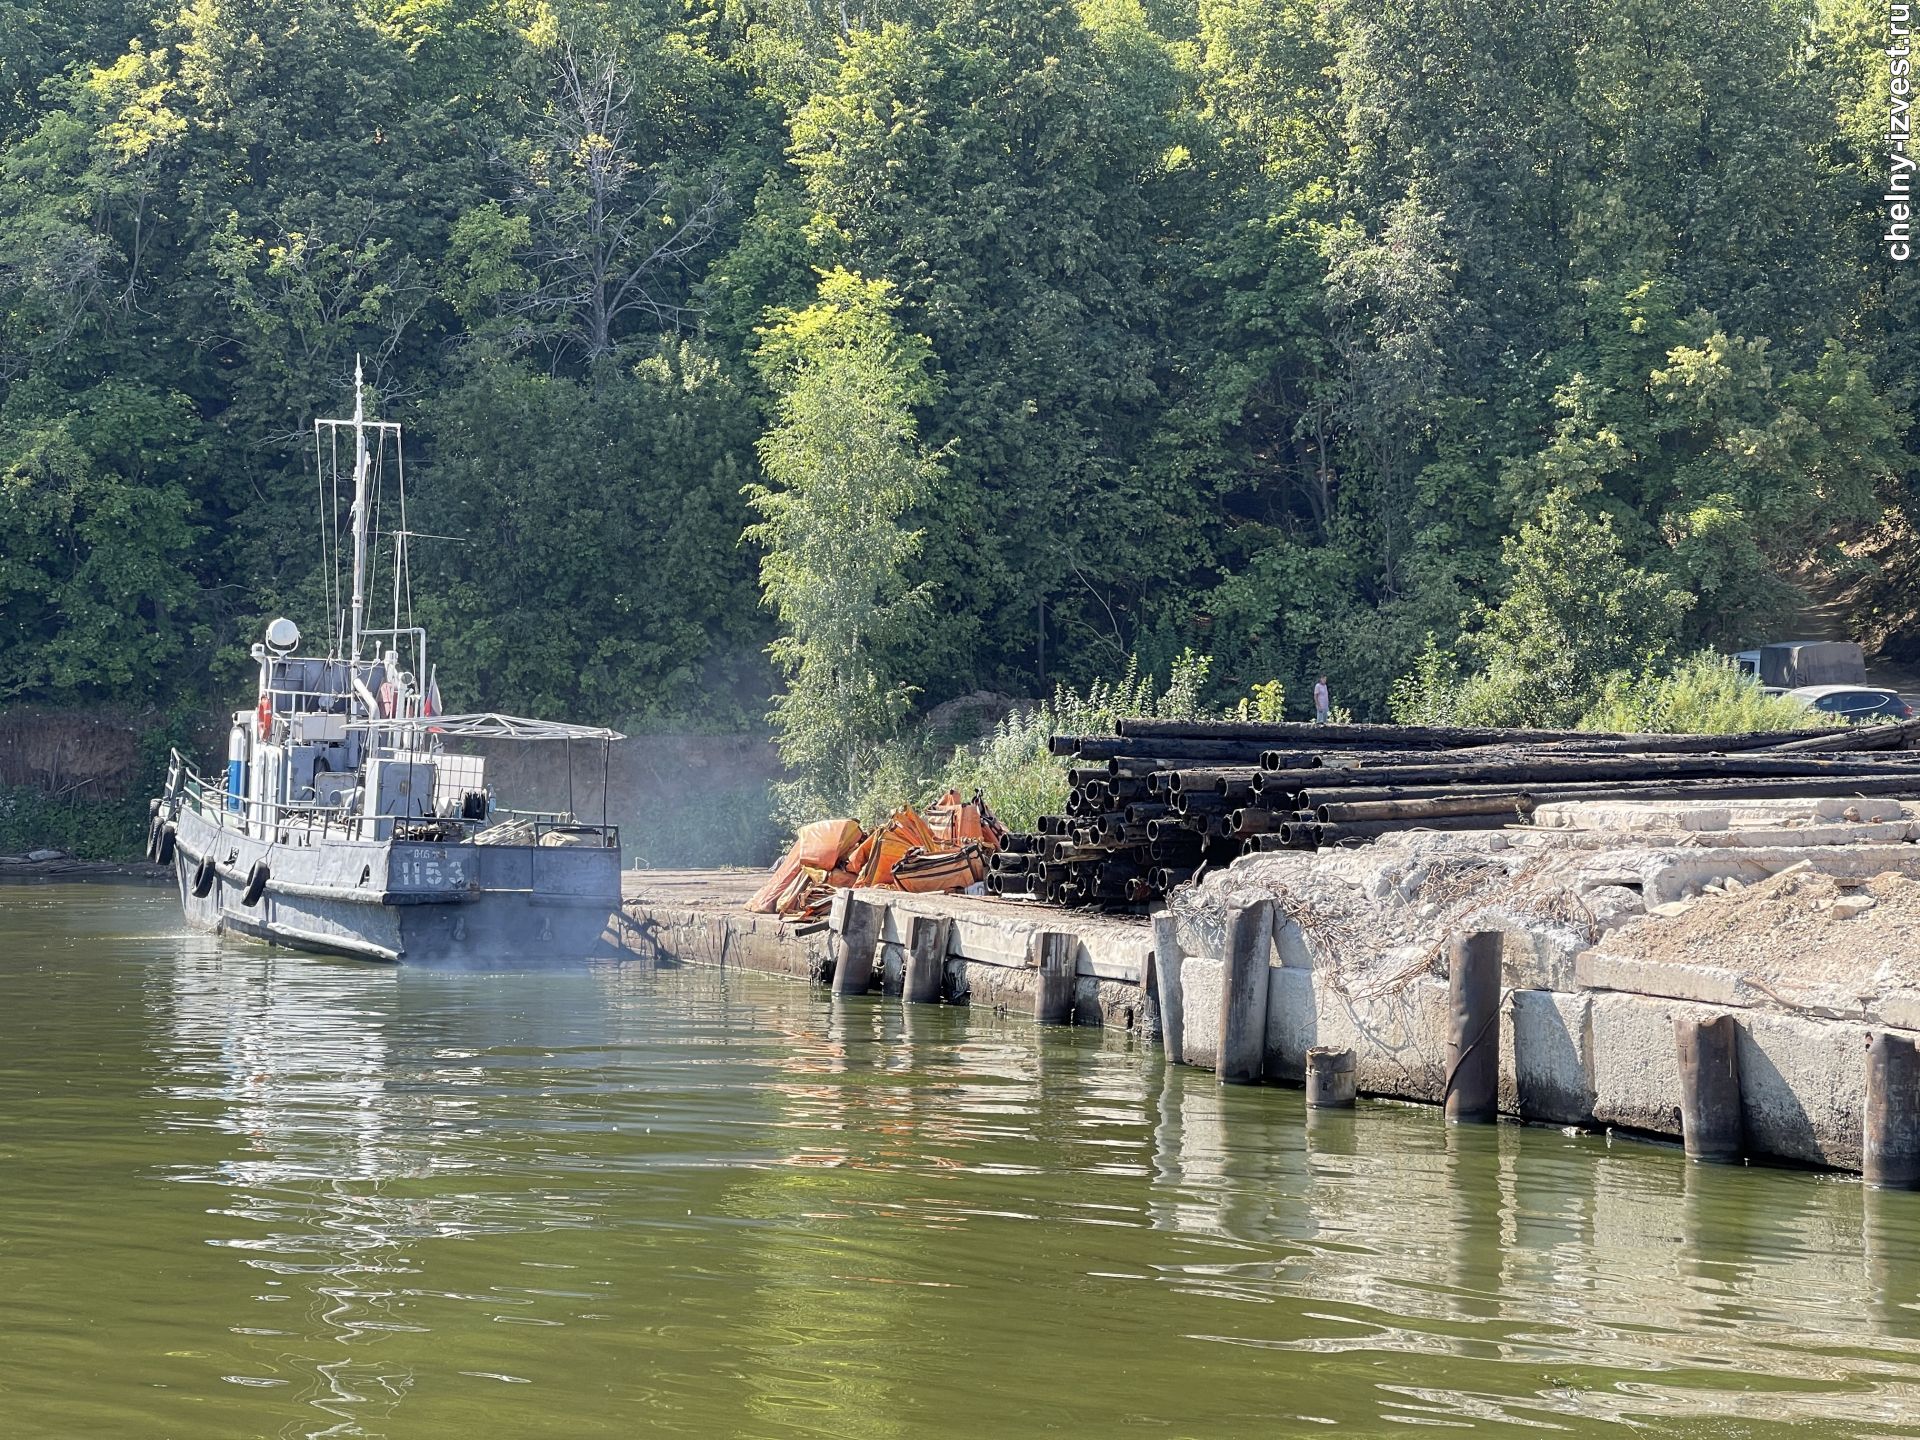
(256, 883)
(203, 878)
(265, 716)
(163, 848)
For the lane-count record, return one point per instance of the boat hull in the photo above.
(420, 903)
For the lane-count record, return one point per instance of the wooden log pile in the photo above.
(1158, 800)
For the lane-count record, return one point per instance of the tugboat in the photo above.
(342, 823)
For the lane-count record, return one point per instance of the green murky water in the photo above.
(248, 1194)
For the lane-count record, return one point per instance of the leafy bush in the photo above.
(31, 819)
(1012, 767)
(1429, 694)
(1575, 614)
(1703, 695)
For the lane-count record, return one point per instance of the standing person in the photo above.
(1322, 702)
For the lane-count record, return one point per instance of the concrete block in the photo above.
(1544, 1063)
(994, 932)
(1803, 1088)
(1293, 1025)
(1398, 1039)
(1670, 876)
(1900, 1009)
(1202, 982)
(1802, 1081)
(1703, 984)
(1636, 1072)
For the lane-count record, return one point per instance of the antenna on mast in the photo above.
(360, 508)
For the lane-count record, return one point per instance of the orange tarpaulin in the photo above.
(825, 843)
(945, 850)
(922, 873)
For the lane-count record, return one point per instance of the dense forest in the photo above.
(1300, 334)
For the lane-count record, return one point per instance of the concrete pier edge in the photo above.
(1590, 1056)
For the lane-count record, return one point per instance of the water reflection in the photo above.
(378, 1203)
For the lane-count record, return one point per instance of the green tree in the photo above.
(98, 529)
(844, 466)
(1000, 165)
(594, 566)
(1575, 613)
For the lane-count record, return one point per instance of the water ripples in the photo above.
(262, 1194)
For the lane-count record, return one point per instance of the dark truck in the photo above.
(1790, 664)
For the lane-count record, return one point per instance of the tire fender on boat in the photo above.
(163, 847)
(257, 879)
(203, 878)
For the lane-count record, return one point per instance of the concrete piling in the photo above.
(1473, 1029)
(1330, 1078)
(1890, 1144)
(1243, 993)
(1711, 1126)
(857, 924)
(926, 962)
(1052, 954)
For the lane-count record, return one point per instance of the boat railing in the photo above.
(287, 823)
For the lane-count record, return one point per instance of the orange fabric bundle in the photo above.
(890, 847)
(825, 843)
(924, 873)
(821, 848)
(766, 900)
(956, 822)
(946, 850)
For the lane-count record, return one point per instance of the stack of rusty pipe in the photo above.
(1158, 800)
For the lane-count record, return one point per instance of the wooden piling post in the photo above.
(926, 964)
(1710, 1123)
(1330, 1078)
(1890, 1142)
(1052, 954)
(1243, 994)
(1473, 1029)
(859, 934)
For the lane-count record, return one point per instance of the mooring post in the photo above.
(1330, 1078)
(1052, 953)
(1473, 1029)
(1890, 1146)
(1168, 995)
(1710, 1123)
(1243, 994)
(926, 964)
(859, 938)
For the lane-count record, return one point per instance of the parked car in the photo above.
(1855, 703)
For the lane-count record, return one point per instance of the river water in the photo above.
(244, 1193)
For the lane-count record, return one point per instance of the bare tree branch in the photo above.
(606, 244)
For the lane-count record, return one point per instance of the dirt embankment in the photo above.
(1794, 929)
(61, 752)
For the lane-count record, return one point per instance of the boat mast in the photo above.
(361, 508)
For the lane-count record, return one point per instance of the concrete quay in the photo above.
(1614, 942)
